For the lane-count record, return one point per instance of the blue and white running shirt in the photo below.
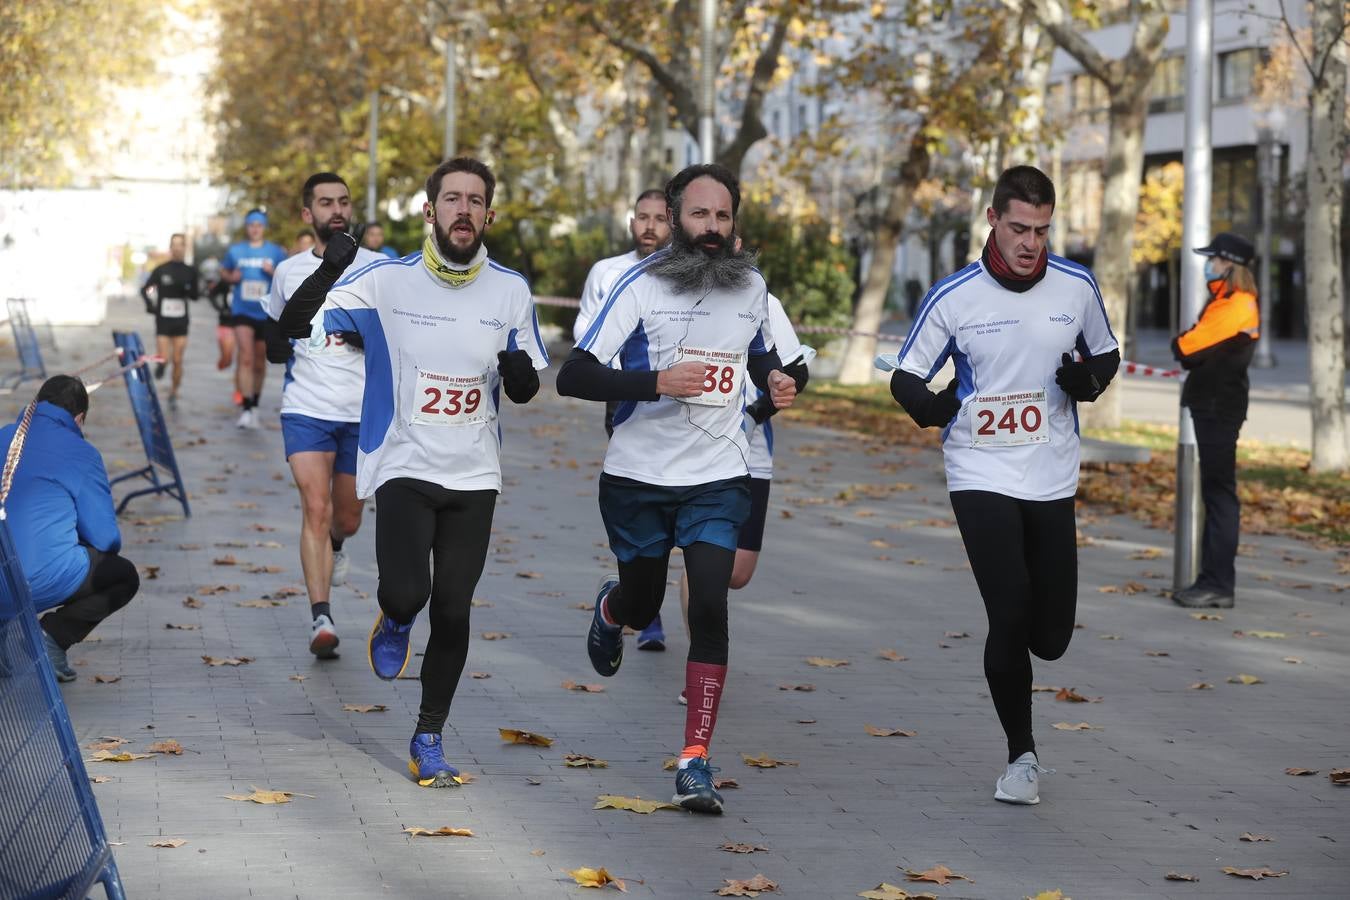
(1017, 432)
(599, 281)
(790, 350)
(325, 378)
(648, 327)
(429, 409)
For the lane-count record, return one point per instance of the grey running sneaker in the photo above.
(1019, 782)
(340, 566)
(60, 665)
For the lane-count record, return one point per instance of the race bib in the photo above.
(173, 308)
(722, 372)
(451, 399)
(321, 343)
(253, 291)
(1009, 420)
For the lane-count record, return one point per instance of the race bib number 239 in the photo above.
(1009, 420)
(451, 399)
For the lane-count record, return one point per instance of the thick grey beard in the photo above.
(687, 270)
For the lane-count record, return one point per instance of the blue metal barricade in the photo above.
(161, 469)
(25, 344)
(52, 842)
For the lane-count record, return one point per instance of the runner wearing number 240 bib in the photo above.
(446, 331)
(1010, 323)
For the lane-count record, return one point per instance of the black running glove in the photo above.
(1078, 380)
(308, 298)
(927, 409)
(519, 378)
(763, 406)
(353, 339)
(278, 345)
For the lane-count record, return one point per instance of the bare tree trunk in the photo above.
(1322, 240)
(861, 348)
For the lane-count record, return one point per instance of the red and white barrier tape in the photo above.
(1133, 368)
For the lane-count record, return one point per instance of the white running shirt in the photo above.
(648, 328)
(429, 409)
(1017, 432)
(599, 281)
(760, 437)
(324, 377)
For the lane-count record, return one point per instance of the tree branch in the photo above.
(679, 94)
(1055, 19)
(766, 64)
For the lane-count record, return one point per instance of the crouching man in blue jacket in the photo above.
(63, 523)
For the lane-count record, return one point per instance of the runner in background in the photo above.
(218, 295)
(166, 294)
(304, 241)
(374, 240)
(248, 265)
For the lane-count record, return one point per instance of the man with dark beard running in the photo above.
(321, 411)
(689, 324)
(445, 331)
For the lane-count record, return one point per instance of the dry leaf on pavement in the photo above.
(167, 843)
(888, 891)
(107, 742)
(364, 707)
(265, 797)
(1055, 894)
(260, 604)
(1293, 660)
(1202, 686)
(298, 677)
(264, 570)
(443, 831)
(1253, 838)
(747, 887)
(1295, 770)
(480, 675)
(1069, 695)
(516, 736)
(595, 878)
(1177, 876)
(100, 779)
(874, 731)
(939, 874)
(211, 589)
(227, 661)
(1255, 874)
(193, 603)
(1156, 653)
(892, 655)
(1147, 553)
(1267, 635)
(169, 747)
(1045, 689)
(632, 804)
(570, 685)
(723, 784)
(172, 626)
(226, 560)
(1207, 617)
(956, 635)
(741, 848)
(1080, 726)
(107, 679)
(765, 762)
(805, 688)
(824, 662)
(577, 761)
(496, 635)
(528, 575)
(123, 756)
(1244, 679)
(1339, 776)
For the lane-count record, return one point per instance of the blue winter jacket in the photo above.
(60, 499)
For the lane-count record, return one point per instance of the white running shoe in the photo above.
(682, 700)
(340, 566)
(245, 419)
(1019, 782)
(323, 638)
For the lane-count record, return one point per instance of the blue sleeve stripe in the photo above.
(1068, 267)
(493, 265)
(538, 339)
(938, 291)
(405, 261)
(757, 345)
(624, 281)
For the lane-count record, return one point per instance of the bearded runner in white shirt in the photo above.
(445, 331)
(689, 324)
(1010, 323)
(650, 229)
(320, 411)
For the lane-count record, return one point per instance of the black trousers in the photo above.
(416, 521)
(1024, 554)
(642, 587)
(111, 583)
(1216, 439)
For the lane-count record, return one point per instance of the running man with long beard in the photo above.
(689, 324)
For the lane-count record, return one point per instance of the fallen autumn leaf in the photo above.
(1177, 876)
(227, 661)
(168, 843)
(443, 831)
(1253, 838)
(1254, 874)
(824, 662)
(750, 887)
(765, 762)
(516, 736)
(364, 707)
(741, 848)
(874, 731)
(631, 804)
(595, 878)
(577, 761)
(938, 874)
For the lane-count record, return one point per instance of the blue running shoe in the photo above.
(604, 642)
(427, 763)
(694, 788)
(388, 649)
(652, 637)
(60, 664)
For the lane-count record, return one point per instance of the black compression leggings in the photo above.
(642, 587)
(1024, 554)
(415, 520)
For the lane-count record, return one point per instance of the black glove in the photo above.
(519, 378)
(944, 407)
(761, 409)
(353, 339)
(278, 345)
(149, 308)
(304, 304)
(1078, 380)
(340, 252)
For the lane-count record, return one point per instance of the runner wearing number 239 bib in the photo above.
(1011, 323)
(446, 332)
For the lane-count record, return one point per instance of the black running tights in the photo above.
(642, 586)
(1024, 554)
(430, 546)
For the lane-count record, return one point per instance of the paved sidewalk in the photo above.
(861, 554)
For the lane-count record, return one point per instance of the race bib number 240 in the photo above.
(1009, 420)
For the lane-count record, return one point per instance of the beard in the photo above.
(326, 231)
(449, 252)
(690, 267)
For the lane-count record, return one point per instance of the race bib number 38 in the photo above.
(451, 399)
(722, 372)
(1009, 420)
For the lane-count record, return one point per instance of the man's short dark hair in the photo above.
(1026, 183)
(650, 194)
(460, 164)
(721, 174)
(313, 181)
(67, 392)
(176, 235)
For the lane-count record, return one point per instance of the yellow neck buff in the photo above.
(453, 275)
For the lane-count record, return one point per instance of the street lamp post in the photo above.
(1270, 135)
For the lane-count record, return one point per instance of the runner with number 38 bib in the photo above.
(1012, 324)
